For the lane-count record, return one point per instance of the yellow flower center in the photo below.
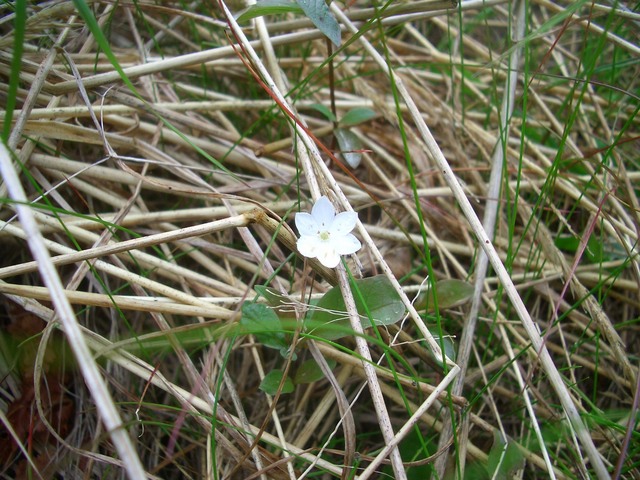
(324, 236)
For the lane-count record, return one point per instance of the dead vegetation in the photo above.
(165, 187)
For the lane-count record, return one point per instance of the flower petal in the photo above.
(346, 245)
(323, 212)
(306, 224)
(328, 257)
(309, 246)
(343, 223)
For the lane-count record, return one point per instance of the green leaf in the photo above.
(318, 12)
(271, 295)
(263, 322)
(415, 447)
(449, 347)
(324, 110)
(450, 293)
(446, 343)
(268, 7)
(568, 243)
(329, 318)
(310, 372)
(357, 116)
(349, 145)
(504, 459)
(282, 305)
(594, 251)
(272, 380)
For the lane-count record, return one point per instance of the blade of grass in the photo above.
(20, 17)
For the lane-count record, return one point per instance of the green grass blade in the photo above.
(16, 65)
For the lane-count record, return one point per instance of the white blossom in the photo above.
(325, 235)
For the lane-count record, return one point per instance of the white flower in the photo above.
(325, 235)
